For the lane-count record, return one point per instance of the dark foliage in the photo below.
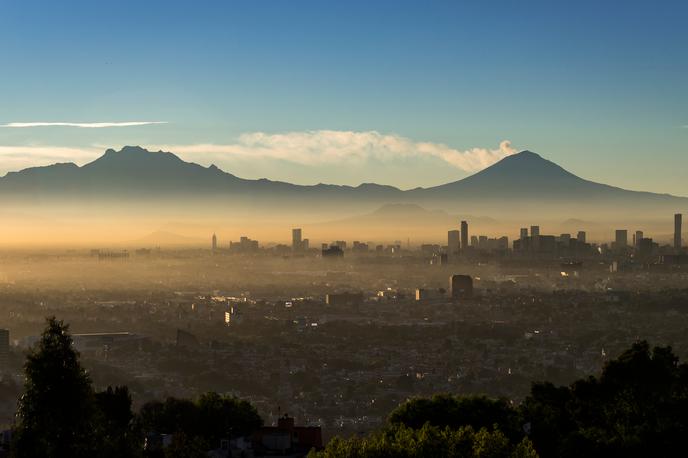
(637, 407)
(209, 419)
(399, 441)
(60, 415)
(116, 435)
(57, 412)
(456, 411)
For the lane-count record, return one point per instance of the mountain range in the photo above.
(521, 183)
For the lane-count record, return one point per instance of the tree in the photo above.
(184, 447)
(56, 415)
(637, 407)
(428, 441)
(210, 418)
(457, 411)
(115, 433)
(224, 415)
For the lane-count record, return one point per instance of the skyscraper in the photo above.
(4, 347)
(637, 237)
(214, 242)
(464, 235)
(677, 231)
(296, 239)
(621, 239)
(535, 237)
(524, 233)
(453, 243)
(581, 236)
(460, 287)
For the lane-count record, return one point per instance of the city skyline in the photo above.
(410, 96)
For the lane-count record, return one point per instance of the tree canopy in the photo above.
(399, 441)
(56, 412)
(209, 418)
(457, 411)
(637, 407)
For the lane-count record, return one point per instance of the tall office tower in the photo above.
(464, 235)
(453, 243)
(535, 237)
(296, 239)
(214, 242)
(581, 236)
(474, 241)
(621, 239)
(637, 237)
(677, 231)
(460, 287)
(4, 347)
(524, 233)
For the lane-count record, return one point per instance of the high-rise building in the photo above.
(535, 237)
(581, 236)
(296, 239)
(464, 235)
(244, 245)
(644, 247)
(621, 239)
(214, 242)
(453, 243)
(460, 286)
(333, 251)
(482, 242)
(4, 347)
(637, 237)
(524, 233)
(677, 231)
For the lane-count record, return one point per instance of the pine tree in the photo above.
(57, 410)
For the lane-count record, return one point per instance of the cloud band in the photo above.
(325, 147)
(83, 125)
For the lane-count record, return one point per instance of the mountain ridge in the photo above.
(134, 171)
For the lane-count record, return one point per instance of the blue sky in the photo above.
(405, 93)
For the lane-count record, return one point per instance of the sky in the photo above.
(402, 93)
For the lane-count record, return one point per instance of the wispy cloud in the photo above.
(83, 125)
(314, 148)
(324, 147)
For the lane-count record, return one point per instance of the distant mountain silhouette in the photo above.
(159, 238)
(408, 215)
(523, 181)
(397, 222)
(527, 174)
